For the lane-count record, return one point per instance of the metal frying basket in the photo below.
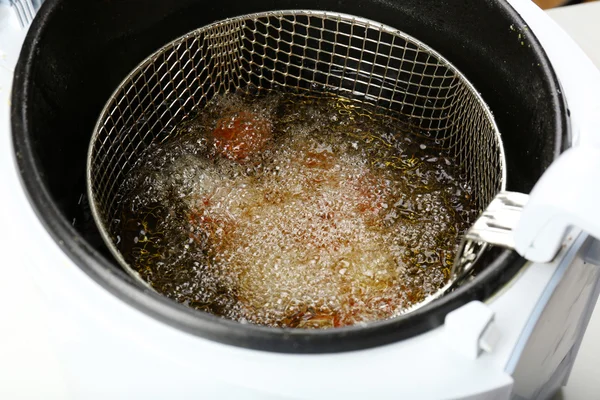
(302, 51)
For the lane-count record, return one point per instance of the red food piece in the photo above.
(323, 160)
(217, 229)
(372, 191)
(240, 135)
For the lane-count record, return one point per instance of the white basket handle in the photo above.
(567, 195)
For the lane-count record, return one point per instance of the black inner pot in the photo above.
(77, 52)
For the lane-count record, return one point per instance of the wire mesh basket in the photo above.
(301, 51)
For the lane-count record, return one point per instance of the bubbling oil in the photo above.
(290, 210)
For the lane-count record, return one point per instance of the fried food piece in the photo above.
(240, 135)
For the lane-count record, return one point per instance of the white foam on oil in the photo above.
(330, 225)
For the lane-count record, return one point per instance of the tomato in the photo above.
(240, 135)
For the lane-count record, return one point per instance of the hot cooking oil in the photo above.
(291, 210)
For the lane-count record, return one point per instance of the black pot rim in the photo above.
(110, 277)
